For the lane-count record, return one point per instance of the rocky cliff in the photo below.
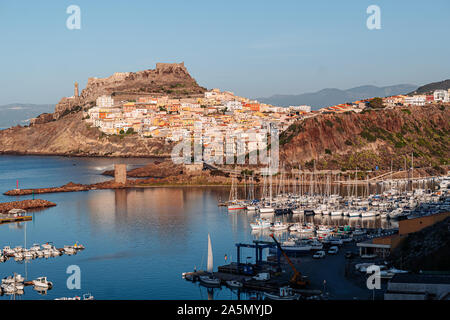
(368, 139)
(70, 135)
(171, 79)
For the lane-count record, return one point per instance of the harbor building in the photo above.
(418, 287)
(383, 246)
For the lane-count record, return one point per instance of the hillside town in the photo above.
(219, 113)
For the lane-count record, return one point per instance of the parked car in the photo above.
(319, 255)
(333, 250)
(349, 255)
(263, 276)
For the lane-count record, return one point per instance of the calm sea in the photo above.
(138, 241)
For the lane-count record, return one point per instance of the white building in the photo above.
(300, 108)
(417, 100)
(233, 105)
(441, 95)
(105, 102)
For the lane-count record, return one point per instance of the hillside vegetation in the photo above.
(369, 139)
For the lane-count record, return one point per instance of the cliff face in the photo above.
(172, 79)
(70, 135)
(65, 133)
(369, 139)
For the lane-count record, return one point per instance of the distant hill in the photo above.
(329, 97)
(441, 85)
(19, 113)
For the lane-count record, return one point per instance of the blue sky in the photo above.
(254, 48)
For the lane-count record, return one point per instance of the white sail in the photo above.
(210, 256)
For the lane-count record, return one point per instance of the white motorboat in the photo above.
(7, 251)
(368, 214)
(354, 214)
(9, 289)
(251, 208)
(69, 250)
(47, 246)
(336, 213)
(358, 232)
(43, 283)
(18, 256)
(18, 249)
(210, 280)
(260, 224)
(234, 284)
(279, 226)
(285, 293)
(316, 245)
(28, 254)
(306, 230)
(266, 210)
(55, 252)
(35, 247)
(296, 227)
(18, 278)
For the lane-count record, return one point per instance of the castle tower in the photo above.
(76, 90)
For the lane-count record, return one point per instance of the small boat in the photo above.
(18, 256)
(47, 246)
(354, 214)
(234, 284)
(9, 289)
(187, 276)
(86, 296)
(210, 280)
(266, 210)
(279, 226)
(78, 246)
(43, 283)
(285, 293)
(28, 254)
(369, 214)
(69, 250)
(7, 251)
(234, 207)
(260, 224)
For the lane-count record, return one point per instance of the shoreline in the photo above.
(5, 207)
(65, 155)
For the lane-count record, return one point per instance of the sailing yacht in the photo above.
(210, 279)
(233, 203)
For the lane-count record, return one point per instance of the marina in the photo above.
(153, 227)
(303, 221)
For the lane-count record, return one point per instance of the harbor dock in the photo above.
(271, 285)
(10, 219)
